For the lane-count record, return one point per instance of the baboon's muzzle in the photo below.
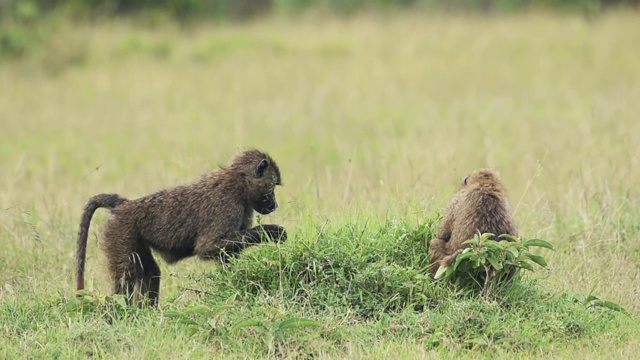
(267, 205)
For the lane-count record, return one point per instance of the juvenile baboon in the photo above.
(481, 206)
(210, 218)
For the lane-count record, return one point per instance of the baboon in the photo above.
(480, 206)
(210, 218)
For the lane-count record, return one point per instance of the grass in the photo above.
(373, 120)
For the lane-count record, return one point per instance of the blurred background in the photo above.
(25, 23)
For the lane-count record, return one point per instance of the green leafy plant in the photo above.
(487, 263)
(592, 301)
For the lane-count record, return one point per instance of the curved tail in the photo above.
(109, 201)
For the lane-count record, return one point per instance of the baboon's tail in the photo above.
(108, 201)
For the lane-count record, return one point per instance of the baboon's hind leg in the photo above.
(124, 274)
(140, 270)
(438, 250)
(448, 260)
(122, 261)
(150, 277)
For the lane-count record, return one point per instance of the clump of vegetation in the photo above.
(487, 263)
(369, 270)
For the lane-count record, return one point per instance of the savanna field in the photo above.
(373, 120)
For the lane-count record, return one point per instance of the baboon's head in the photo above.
(483, 178)
(262, 175)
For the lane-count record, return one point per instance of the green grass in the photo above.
(373, 120)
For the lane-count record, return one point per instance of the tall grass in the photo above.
(371, 119)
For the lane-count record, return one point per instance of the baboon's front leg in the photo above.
(274, 232)
(256, 235)
(241, 239)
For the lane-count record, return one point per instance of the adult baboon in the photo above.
(210, 218)
(481, 206)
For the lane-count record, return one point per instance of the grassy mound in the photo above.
(333, 291)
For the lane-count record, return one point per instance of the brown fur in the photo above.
(481, 206)
(210, 218)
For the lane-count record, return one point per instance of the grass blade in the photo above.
(297, 323)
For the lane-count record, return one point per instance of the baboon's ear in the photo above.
(466, 180)
(261, 168)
